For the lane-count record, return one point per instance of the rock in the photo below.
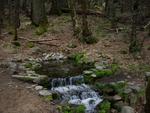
(116, 98)
(93, 75)
(38, 88)
(87, 72)
(127, 109)
(45, 93)
(98, 67)
(35, 49)
(135, 88)
(118, 105)
(127, 91)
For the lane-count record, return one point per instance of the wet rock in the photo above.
(38, 88)
(127, 109)
(45, 93)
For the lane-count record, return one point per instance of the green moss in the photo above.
(79, 58)
(117, 88)
(45, 83)
(70, 109)
(55, 96)
(30, 44)
(48, 98)
(41, 29)
(103, 73)
(105, 107)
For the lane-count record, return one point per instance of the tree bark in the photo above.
(14, 16)
(55, 9)
(85, 28)
(74, 17)
(38, 13)
(1, 15)
(147, 106)
(134, 42)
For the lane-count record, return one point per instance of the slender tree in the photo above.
(134, 42)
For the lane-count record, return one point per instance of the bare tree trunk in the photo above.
(38, 12)
(147, 106)
(1, 15)
(55, 9)
(134, 42)
(76, 28)
(14, 16)
(85, 28)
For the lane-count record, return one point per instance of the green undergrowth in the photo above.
(104, 107)
(70, 109)
(116, 88)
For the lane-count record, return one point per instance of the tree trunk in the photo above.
(38, 13)
(134, 42)
(74, 17)
(147, 106)
(1, 14)
(85, 28)
(55, 9)
(14, 16)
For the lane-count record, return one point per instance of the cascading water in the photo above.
(74, 91)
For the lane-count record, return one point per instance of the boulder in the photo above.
(45, 93)
(127, 109)
(38, 88)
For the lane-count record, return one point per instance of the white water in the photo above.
(76, 94)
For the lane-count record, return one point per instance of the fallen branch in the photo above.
(43, 40)
(88, 12)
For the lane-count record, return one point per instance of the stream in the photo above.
(75, 92)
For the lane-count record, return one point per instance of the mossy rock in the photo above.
(41, 29)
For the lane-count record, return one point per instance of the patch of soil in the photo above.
(16, 98)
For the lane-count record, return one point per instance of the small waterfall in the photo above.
(74, 91)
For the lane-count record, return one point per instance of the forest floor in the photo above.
(18, 97)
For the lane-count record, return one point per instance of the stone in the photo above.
(87, 72)
(135, 88)
(127, 91)
(38, 88)
(118, 105)
(35, 49)
(45, 93)
(127, 109)
(116, 98)
(93, 75)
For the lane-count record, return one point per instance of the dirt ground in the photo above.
(16, 97)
